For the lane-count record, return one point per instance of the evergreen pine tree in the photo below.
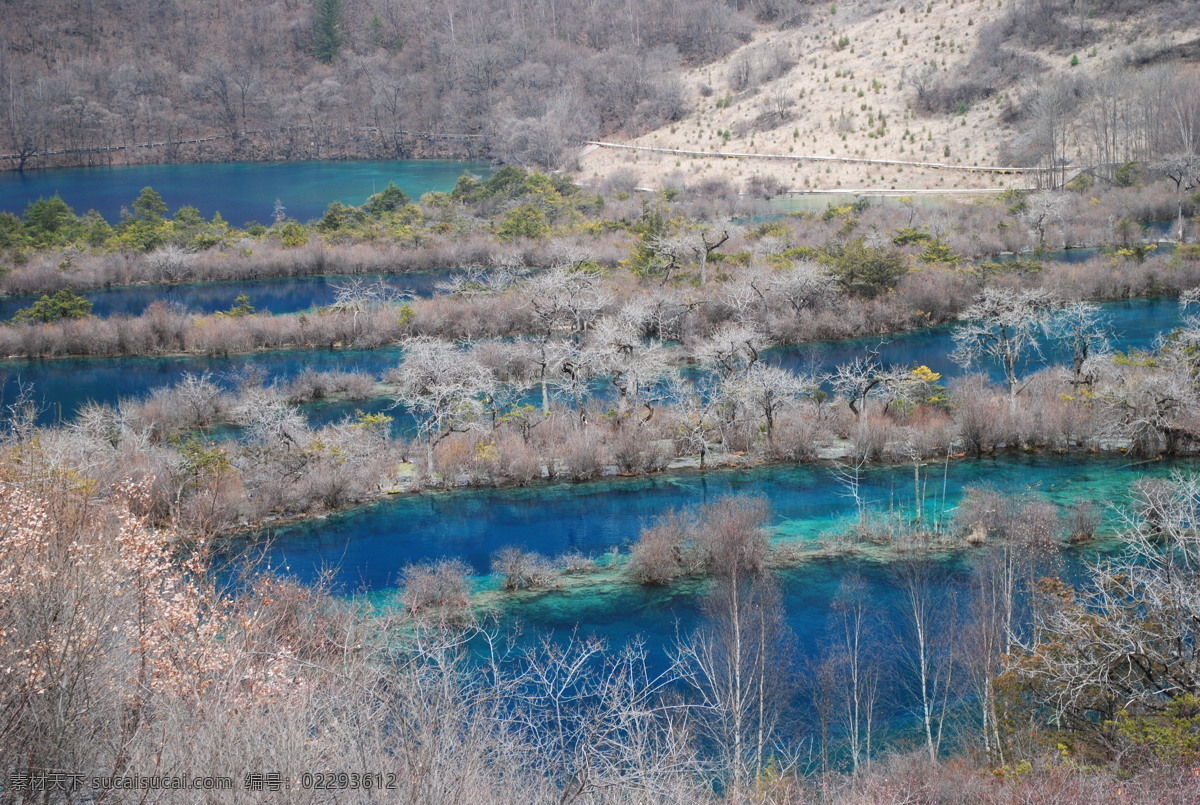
(328, 33)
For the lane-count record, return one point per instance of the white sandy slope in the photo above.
(837, 97)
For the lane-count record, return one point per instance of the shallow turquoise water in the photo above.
(240, 191)
(371, 545)
(368, 549)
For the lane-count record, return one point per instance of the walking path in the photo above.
(593, 145)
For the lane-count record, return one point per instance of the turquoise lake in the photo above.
(370, 546)
(367, 549)
(240, 191)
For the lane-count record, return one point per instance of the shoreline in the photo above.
(786, 552)
(34, 295)
(684, 466)
(339, 347)
(13, 163)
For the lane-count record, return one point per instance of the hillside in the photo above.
(973, 83)
(92, 82)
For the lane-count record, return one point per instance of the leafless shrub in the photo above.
(440, 589)
(797, 436)
(870, 436)
(661, 553)
(515, 461)
(765, 187)
(170, 263)
(635, 451)
(311, 385)
(523, 570)
(580, 456)
(575, 564)
(978, 408)
(991, 515)
(722, 538)
(738, 436)
(1081, 520)
(622, 180)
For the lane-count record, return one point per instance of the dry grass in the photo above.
(848, 67)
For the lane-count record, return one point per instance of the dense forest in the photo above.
(290, 79)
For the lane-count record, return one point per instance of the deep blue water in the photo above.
(1133, 324)
(1085, 253)
(367, 550)
(292, 294)
(275, 294)
(370, 546)
(240, 191)
(65, 384)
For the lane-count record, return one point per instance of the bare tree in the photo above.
(200, 398)
(928, 647)
(854, 638)
(270, 422)
(732, 349)
(1003, 325)
(1020, 533)
(1052, 112)
(1083, 327)
(1149, 406)
(764, 392)
(1183, 170)
(736, 663)
(1114, 659)
(474, 281)
(756, 292)
(1040, 210)
(737, 666)
(923, 81)
(865, 377)
(804, 286)
(706, 239)
(171, 262)
(696, 412)
(562, 301)
(359, 296)
(620, 349)
(599, 723)
(696, 243)
(1151, 402)
(443, 387)
(574, 367)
